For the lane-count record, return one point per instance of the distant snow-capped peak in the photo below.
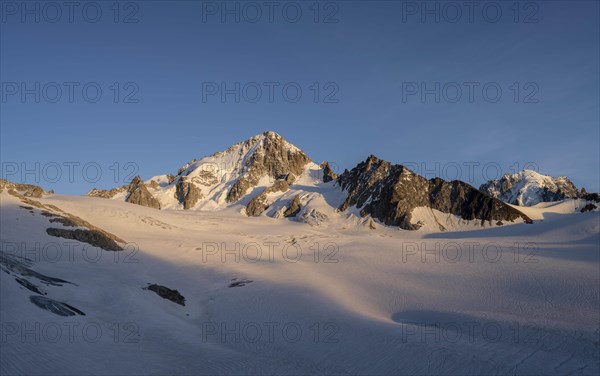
(528, 188)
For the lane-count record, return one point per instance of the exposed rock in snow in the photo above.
(294, 207)
(92, 237)
(27, 190)
(314, 217)
(167, 293)
(187, 193)
(328, 174)
(139, 194)
(260, 203)
(107, 193)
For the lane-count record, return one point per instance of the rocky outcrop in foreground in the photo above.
(389, 193)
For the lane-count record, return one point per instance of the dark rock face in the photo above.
(391, 192)
(260, 203)
(273, 158)
(187, 193)
(328, 174)
(294, 208)
(167, 293)
(92, 237)
(139, 194)
(588, 207)
(590, 196)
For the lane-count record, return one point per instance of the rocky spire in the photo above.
(137, 193)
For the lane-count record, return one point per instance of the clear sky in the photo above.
(392, 79)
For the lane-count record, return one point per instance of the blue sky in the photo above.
(371, 61)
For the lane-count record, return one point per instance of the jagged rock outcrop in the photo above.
(274, 157)
(527, 188)
(260, 203)
(372, 224)
(391, 192)
(294, 208)
(328, 174)
(171, 178)
(137, 193)
(107, 193)
(187, 193)
(27, 190)
(314, 217)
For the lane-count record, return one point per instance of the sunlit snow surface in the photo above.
(334, 297)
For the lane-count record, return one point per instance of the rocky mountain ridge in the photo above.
(390, 193)
(268, 176)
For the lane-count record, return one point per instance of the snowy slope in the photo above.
(334, 299)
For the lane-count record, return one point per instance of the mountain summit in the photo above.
(528, 187)
(225, 177)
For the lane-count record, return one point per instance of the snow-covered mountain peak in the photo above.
(238, 155)
(225, 177)
(529, 187)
